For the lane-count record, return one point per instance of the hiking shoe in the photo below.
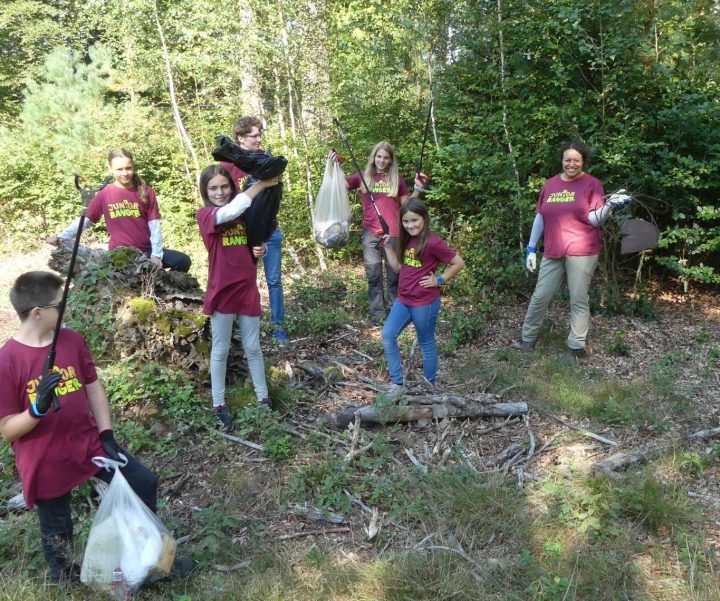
(65, 577)
(574, 355)
(280, 336)
(265, 404)
(224, 419)
(524, 346)
(395, 392)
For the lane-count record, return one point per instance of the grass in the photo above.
(449, 534)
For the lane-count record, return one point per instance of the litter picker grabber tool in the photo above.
(383, 223)
(86, 196)
(419, 165)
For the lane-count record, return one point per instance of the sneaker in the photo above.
(265, 404)
(573, 355)
(223, 416)
(280, 336)
(395, 392)
(524, 346)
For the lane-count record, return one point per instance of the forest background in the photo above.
(509, 81)
(636, 80)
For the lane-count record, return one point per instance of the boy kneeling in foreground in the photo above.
(53, 450)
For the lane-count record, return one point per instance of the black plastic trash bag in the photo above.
(261, 217)
(261, 165)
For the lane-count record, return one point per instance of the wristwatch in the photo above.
(440, 280)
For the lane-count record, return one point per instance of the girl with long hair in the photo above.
(416, 260)
(131, 213)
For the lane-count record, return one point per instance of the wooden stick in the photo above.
(247, 443)
(312, 533)
(415, 462)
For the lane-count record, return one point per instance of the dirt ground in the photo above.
(685, 328)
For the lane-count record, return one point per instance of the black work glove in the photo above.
(45, 394)
(109, 445)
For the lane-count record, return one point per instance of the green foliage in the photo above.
(693, 241)
(323, 483)
(596, 506)
(465, 323)
(265, 425)
(619, 345)
(93, 318)
(148, 388)
(322, 304)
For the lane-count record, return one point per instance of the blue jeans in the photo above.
(374, 256)
(424, 318)
(272, 262)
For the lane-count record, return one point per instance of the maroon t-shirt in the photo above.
(564, 207)
(414, 268)
(55, 456)
(232, 274)
(389, 206)
(237, 174)
(126, 215)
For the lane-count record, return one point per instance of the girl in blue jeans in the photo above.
(419, 254)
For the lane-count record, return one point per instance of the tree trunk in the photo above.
(173, 100)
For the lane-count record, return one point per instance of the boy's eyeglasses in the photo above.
(50, 306)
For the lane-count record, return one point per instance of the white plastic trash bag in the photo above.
(332, 208)
(125, 534)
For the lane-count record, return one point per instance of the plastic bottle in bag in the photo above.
(119, 586)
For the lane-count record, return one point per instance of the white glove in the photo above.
(531, 262)
(618, 200)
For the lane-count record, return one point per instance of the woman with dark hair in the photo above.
(131, 213)
(232, 292)
(570, 211)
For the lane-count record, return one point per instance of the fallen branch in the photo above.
(415, 462)
(582, 431)
(316, 513)
(507, 454)
(312, 533)
(609, 466)
(410, 413)
(233, 568)
(355, 437)
(704, 434)
(247, 443)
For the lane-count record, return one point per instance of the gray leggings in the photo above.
(222, 328)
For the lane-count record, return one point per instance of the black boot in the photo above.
(57, 549)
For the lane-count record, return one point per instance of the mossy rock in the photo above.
(142, 308)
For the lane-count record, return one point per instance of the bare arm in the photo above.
(99, 405)
(454, 267)
(17, 425)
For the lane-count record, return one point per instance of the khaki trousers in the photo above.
(579, 272)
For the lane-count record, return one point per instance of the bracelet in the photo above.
(34, 411)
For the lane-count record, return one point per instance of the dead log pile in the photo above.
(157, 314)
